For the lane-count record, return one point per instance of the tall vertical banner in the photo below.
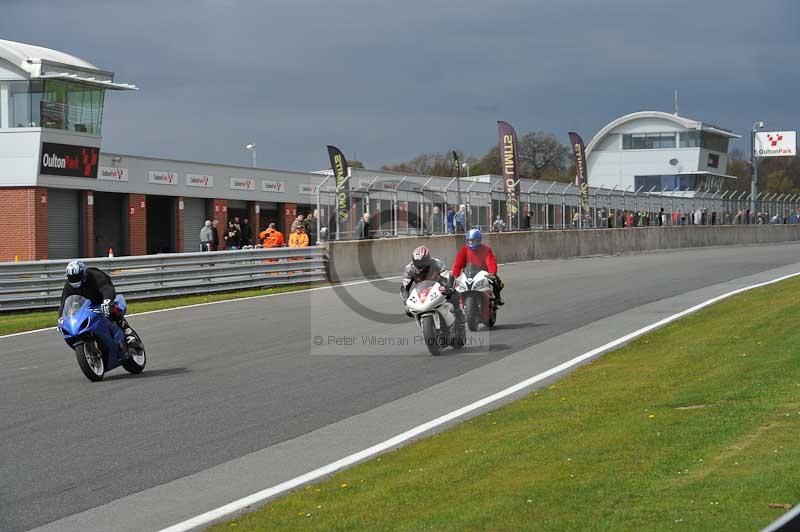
(340, 172)
(509, 162)
(581, 178)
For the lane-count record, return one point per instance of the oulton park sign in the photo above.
(776, 144)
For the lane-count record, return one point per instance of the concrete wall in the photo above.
(386, 257)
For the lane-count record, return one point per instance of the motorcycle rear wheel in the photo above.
(136, 361)
(90, 360)
(492, 319)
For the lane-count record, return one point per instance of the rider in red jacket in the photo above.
(481, 256)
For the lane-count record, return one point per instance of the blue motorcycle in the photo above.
(98, 342)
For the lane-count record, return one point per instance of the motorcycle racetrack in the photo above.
(238, 396)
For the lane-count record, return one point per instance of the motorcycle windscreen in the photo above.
(73, 304)
(423, 289)
(470, 270)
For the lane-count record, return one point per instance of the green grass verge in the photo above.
(693, 427)
(13, 322)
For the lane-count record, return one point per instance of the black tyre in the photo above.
(431, 335)
(460, 341)
(90, 360)
(137, 360)
(473, 312)
(492, 318)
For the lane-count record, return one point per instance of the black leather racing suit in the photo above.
(435, 272)
(96, 287)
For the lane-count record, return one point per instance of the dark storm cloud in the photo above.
(388, 80)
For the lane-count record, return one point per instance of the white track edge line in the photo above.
(260, 496)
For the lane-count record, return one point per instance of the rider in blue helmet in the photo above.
(477, 253)
(95, 285)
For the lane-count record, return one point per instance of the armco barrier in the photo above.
(386, 257)
(35, 285)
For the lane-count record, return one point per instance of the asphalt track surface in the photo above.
(229, 379)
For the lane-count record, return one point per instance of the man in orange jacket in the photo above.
(298, 239)
(271, 237)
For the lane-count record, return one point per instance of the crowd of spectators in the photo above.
(239, 234)
(303, 231)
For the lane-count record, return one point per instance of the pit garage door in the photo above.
(63, 224)
(194, 216)
(110, 223)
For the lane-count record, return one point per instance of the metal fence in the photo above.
(35, 285)
(406, 206)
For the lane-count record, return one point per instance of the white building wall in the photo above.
(608, 165)
(19, 157)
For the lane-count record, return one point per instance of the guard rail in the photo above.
(38, 284)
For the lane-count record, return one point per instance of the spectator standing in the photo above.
(299, 238)
(498, 225)
(451, 214)
(528, 220)
(310, 224)
(215, 234)
(362, 228)
(206, 237)
(247, 233)
(233, 237)
(271, 237)
(576, 220)
(460, 219)
(436, 225)
(698, 217)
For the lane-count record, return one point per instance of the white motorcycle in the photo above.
(436, 317)
(477, 297)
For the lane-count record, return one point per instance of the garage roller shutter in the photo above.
(63, 224)
(194, 216)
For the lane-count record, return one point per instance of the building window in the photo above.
(52, 104)
(648, 141)
(690, 139)
(713, 142)
(667, 183)
(15, 108)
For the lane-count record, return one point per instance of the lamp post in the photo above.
(754, 164)
(252, 148)
(458, 176)
(465, 165)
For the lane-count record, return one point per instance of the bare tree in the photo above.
(542, 156)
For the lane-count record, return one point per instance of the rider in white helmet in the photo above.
(425, 267)
(96, 286)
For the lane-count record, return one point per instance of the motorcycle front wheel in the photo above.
(90, 360)
(472, 311)
(431, 336)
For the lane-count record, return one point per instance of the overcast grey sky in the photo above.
(389, 80)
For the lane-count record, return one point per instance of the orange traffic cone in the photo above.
(110, 253)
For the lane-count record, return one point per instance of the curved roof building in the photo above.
(658, 152)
